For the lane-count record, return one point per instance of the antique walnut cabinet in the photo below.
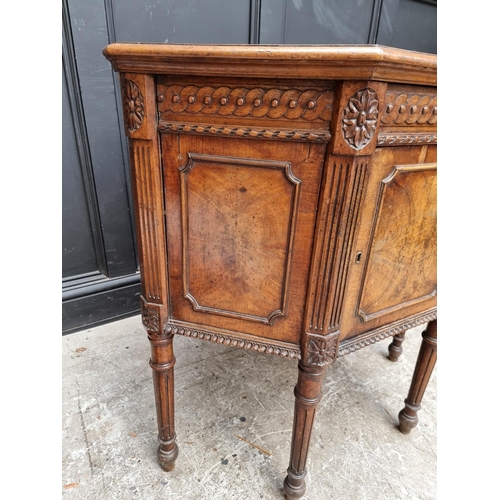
(285, 201)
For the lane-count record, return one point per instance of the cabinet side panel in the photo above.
(401, 265)
(393, 272)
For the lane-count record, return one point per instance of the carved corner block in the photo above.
(321, 350)
(356, 118)
(152, 318)
(139, 105)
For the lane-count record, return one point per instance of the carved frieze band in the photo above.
(403, 139)
(336, 225)
(233, 341)
(407, 109)
(350, 345)
(290, 104)
(148, 220)
(253, 132)
(133, 105)
(321, 350)
(359, 119)
(150, 316)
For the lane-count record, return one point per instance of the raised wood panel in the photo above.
(401, 267)
(238, 225)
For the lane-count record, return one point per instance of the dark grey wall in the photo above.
(100, 269)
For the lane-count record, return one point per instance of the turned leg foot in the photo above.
(395, 348)
(426, 360)
(162, 362)
(167, 454)
(408, 418)
(307, 397)
(294, 485)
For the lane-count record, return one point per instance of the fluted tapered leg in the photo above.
(307, 397)
(162, 362)
(426, 360)
(395, 348)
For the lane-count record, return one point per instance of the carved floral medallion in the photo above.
(150, 318)
(134, 105)
(322, 351)
(360, 118)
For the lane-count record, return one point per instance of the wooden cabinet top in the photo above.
(337, 62)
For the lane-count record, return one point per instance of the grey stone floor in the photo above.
(227, 398)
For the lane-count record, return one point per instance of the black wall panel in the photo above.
(188, 21)
(409, 24)
(327, 22)
(79, 256)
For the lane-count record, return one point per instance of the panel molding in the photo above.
(286, 168)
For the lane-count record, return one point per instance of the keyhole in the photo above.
(358, 257)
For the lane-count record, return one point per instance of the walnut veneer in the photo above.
(285, 200)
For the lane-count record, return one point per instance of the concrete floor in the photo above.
(225, 398)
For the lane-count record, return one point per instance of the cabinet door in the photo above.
(394, 273)
(240, 219)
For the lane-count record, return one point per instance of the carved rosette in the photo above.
(134, 105)
(322, 351)
(150, 317)
(359, 119)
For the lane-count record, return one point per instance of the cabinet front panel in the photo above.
(240, 220)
